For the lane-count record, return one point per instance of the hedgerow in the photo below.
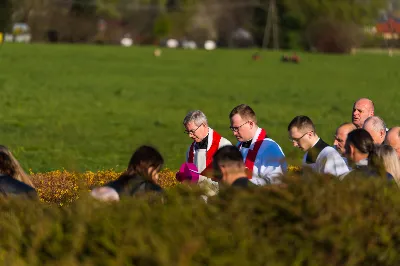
(319, 221)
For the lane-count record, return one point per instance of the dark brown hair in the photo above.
(142, 159)
(6, 165)
(362, 140)
(301, 122)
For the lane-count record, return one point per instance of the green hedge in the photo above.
(318, 222)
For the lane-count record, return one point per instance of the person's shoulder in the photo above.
(9, 185)
(14, 182)
(241, 182)
(224, 142)
(271, 146)
(154, 187)
(329, 151)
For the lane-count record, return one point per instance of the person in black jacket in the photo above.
(360, 150)
(140, 177)
(10, 186)
(229, 168)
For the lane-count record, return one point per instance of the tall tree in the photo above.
(5, 15)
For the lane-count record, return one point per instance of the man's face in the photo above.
(378, 137)
(196, 133)
(301, 139)
(362, 109)
(393, 140)
(242, 129)
(340, 139)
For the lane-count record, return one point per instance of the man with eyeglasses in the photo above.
(319, 156)
(263, 157)
(206, 142)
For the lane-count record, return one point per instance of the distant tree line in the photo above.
(302, 24)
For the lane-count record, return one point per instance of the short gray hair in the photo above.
(377, 123)
(197, 116)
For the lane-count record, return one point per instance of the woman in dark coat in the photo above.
(140, 177)
(9, 186)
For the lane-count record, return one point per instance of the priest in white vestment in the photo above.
(206, 142)
(319, 157)
(263, 157)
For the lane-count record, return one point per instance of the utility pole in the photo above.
(271, 27)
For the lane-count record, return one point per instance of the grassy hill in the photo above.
(88, 108)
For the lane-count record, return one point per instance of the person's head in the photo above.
(388, 157)
(243, 122)
(18, 173)
(376, 128)
(196, 125)
(146, 162)
(359, 145)
(228, 164)
(341, 136)
(302, 132)
(362, 109)
(393, 139)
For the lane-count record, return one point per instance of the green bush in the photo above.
(318, 222)
(333, 36)
(162, 26)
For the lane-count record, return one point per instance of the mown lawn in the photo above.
(88, 107)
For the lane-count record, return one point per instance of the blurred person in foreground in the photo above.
(360, 151)
(264, 159)
(362, 109)
(19, 173)
(140, 177)
(319, 156)
(229, 168)
(9, 186)
(387, 157)
(206, 142)
(393, 139)
(376, 127)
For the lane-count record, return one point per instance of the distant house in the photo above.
(388, 25)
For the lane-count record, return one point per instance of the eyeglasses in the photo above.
(236, 129)
(192, 131)
(298, 139)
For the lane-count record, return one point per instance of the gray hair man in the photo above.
(393, 139)
(206, 143)
(376, 128)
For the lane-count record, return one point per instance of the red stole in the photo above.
(216, 138)
(252, 153)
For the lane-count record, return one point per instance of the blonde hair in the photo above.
(19, 173)
(390, 160)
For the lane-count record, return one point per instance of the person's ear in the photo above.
(251, 123)
(382, 133)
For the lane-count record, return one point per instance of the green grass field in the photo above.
(87, 107)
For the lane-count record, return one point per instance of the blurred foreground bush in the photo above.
(318, 222)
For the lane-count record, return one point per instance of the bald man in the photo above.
(362, 109)
(393, 139)
(376, 128)
(341, 136)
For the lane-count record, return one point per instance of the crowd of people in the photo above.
(363, 147)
